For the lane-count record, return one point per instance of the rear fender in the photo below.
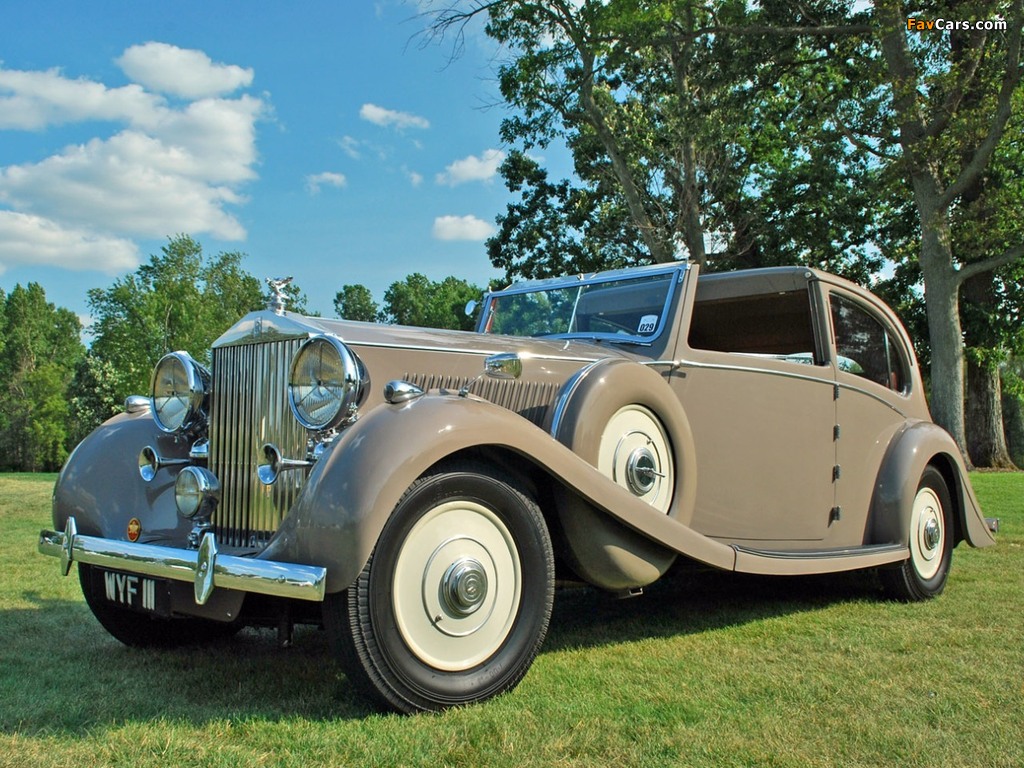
(352, 490)
(911, 450)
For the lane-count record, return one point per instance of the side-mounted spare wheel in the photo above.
(923, 575)
(454, 602)
(623, 418)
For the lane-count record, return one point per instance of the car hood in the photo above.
(267, 326)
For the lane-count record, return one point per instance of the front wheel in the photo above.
(454, 602)
(923, 575)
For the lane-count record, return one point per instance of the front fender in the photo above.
(100, 484)
(911, 450)
(352, 490)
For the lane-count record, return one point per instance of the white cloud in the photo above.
(389, 117)
(461, 228)
(34, 100)
(26, 239)
(161, 169)
(414, 178)
(350, 146)
(472, 168)
(189, 74)
(326, 179)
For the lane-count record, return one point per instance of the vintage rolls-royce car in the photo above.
(418, 492)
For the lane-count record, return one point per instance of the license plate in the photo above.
(130, 590)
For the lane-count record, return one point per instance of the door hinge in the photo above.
(837, 472)
(836, 432)
(835, 515)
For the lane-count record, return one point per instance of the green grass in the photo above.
(705, 669)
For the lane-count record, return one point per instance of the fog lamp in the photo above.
(196, 492)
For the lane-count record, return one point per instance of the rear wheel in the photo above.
(924, 573)
(454, 602)
(140, 630)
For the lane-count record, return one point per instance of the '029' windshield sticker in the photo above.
(648, 324)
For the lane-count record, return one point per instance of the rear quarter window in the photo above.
(773, 324)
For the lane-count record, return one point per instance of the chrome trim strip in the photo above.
(245, 574)
(788, 375)
(826, 554)
(566, 395)
(462, 351)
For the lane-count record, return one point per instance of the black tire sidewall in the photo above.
(425, 686)
(932, 478)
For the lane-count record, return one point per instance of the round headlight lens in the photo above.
(196, 492)
(326, 383)
(179, 392)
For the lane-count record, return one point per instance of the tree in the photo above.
(683, 139)
(692, 110)
(179, 300)
(41, 347)
(355, 302)
(421, 302)
(946, 101)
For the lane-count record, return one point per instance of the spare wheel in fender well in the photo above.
(623, 418)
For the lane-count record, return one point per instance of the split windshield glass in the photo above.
(617, 308)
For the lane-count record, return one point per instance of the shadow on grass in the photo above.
(61, 673)
(690, 599)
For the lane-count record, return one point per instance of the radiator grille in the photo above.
(529, 399)
(249, 408)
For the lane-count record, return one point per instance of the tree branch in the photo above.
(1004, 108)
(1008, 256)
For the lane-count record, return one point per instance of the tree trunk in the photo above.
(941, 297)
(986, 442)
(1013, 423)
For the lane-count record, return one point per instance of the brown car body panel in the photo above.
(786, 463)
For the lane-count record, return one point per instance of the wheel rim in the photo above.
(635, 452)
(457, 586)
(927, 533)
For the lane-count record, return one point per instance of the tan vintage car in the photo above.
(419, 491)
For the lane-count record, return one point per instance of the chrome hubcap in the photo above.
(464, 586)
(932, 534)
(642, 471)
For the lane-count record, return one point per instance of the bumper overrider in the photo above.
(206, 568)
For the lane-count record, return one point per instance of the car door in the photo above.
(873, 381)
(757, 388)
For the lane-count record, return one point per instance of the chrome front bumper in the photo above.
(206, 568)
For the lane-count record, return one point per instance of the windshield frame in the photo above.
(676, 271)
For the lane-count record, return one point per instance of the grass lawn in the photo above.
(705, 669)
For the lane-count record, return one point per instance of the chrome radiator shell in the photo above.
(249, 408)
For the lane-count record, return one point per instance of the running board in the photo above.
(809, 561)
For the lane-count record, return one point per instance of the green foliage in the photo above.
(680, 138)
(421, 302)
(179, 300)
(38, 354)
(355, 302)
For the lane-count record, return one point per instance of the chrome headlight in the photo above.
(180, 387)
(326, 384)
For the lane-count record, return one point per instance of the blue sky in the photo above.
(320, 138)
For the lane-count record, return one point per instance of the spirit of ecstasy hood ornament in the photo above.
(278, 298)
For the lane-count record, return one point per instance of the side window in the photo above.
(771, 324)
(865, 347)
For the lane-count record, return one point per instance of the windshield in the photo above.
(622, 308)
